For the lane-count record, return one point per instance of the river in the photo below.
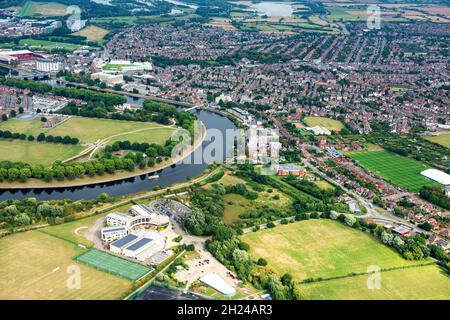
(167, 177)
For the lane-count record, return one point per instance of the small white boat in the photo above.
(155, 177)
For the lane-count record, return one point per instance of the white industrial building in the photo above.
(116, 219)
(109, 234)
(216, 282)
(48, 66)
(111, 79)
(139, 246)
(437, 175)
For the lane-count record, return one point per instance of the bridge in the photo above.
(191, 108)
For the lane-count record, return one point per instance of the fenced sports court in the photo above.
(113, 264)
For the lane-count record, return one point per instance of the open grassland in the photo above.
(320, 248)
(419, 283)
(330, 124)
(236, 204)
(48, 9)
(44, 44)
(442, 139)
(399, 170)
(89, 130)
(37, 266)
(92, 33)
(36, 153)
(324, 185)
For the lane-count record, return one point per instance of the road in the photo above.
(373, 212)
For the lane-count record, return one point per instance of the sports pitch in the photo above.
(36, 153)
(35, 265)
(114, 265)
(321, 248)
(399, 170)
(330, 124)
(89, 130)
(422, 282)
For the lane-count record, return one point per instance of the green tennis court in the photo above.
(112, 264)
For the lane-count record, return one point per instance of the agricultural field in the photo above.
(113, 264)
(442, 139)
(89, 130)
(418, 283)
(38, 266)
(398, 170)
(320, 248)
(44, 44)
(47, 9)
(92, 33)
(330, 124)
(36, 153)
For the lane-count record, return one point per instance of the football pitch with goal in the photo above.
(115, 265)
(399, 170)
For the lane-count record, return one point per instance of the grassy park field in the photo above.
(38, 266)
(48, 9)
(92, 33)
(442, 139)
(89, 130)
(36, 153)
(399, 170)
(44, 44)
(422, 283)
(320, 248)
(330, 124)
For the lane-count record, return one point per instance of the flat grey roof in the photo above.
(113, 229)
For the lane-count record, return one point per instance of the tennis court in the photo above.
(113, 264)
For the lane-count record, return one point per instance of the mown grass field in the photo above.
(399, 170)
(330, 124)
(92, 33)
(236, 204)
(320, 248)
(36, 153)
(420, 283)
(49, 9)
(35, 266)
(442, 139)
(89, 130)
(44, 44)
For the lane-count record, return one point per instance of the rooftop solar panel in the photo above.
(139, 244)
(124, 241)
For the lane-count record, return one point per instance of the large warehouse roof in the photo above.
(437, 175)
(216, 282)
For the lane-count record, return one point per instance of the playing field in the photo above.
(399, 170)
(320, 248)
(89, 130)
(34, 43)
(92, 33)
(36, 153)
(38, 266)
(114, 265)
(330, 124)
(50, 9)
(442, 139)
(423, 282)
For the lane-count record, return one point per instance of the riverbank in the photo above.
(106, 178)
